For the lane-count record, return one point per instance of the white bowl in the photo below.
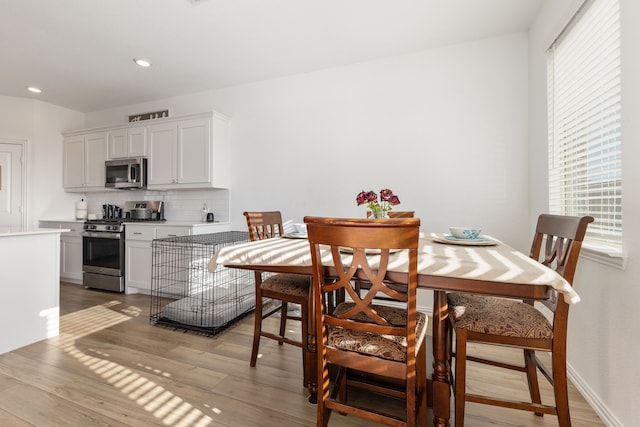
(300, 228)
(465, 232)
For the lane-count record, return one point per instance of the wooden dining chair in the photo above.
(283, 288)
(396, 214)
(521, 324)
(360, 339)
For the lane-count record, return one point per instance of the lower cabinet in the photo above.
(71, 258)
(137, 266)
(70, 249)
(138, 250)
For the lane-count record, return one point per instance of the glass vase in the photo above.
(379, 214)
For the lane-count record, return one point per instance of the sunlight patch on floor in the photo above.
(153, 398)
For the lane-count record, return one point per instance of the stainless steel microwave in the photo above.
(127, 174)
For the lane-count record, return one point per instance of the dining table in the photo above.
(485, 266)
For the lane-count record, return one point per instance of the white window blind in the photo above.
(585, 157)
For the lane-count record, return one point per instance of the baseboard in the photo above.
(608, 418)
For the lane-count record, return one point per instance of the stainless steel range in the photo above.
(103, 248)
(103, 254)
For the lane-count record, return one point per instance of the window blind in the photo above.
(585, 157)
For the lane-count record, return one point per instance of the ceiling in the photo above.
(80, 52)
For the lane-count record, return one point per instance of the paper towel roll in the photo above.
(81, 209)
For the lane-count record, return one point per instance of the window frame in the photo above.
(571, 169)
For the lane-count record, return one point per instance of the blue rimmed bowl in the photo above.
(465, 232)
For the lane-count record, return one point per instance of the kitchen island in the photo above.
(30, 303)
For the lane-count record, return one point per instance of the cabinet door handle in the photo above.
(137, 232)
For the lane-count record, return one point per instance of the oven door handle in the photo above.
(102, 235)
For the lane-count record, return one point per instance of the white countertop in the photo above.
(19, 231)
(149, 223)
(79, 221)
(175, 223)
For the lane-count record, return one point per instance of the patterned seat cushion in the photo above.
(497, 316)
(289, 284)
(384, 346)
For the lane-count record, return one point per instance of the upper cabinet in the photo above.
(128, 142)
(83, 164)
(190, 153)
(163, 142)
(185, 152)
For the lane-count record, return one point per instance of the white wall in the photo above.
(445, 129)
(41, 125)
(603, 347)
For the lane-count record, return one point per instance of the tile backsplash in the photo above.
(184, 205)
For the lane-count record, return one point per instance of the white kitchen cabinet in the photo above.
(189, 153)
(138, 249)
(128, 142)
(194, 151)
(162, 165)
(138, 253)
(70, 249)
(162, 232)
(138, 266)
(185, 152)
(83, 162)
(137, 269)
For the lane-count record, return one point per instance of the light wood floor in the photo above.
(110, 367)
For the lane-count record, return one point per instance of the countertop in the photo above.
(171, 223)
(19, 231)
(78, 221)
(176, 223)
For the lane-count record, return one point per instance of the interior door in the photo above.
(11, 185)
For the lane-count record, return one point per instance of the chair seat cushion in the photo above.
(384, 346)
(497, 316)
(289, 284)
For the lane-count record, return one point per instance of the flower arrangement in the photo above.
(380, 208)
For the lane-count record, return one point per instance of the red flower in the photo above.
(387, 195)
(387, 201)
(366, 197)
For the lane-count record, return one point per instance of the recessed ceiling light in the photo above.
(34, 89)
(142, 62)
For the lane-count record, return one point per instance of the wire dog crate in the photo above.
(186, 295)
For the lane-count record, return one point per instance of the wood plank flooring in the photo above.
(111, 367)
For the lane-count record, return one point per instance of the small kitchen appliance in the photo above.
(145, 210)
(126, 174)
